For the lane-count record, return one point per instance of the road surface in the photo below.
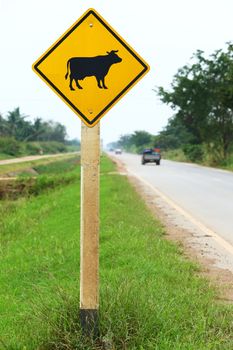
(206, 194)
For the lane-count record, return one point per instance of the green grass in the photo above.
(58, 166)
(151, 296)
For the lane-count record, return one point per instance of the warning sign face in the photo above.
(90, 67)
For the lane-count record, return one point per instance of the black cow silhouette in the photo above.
(98, 66)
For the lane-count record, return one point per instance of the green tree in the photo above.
(174, 135)
(141, 138)
(37, 128)
(59, 132)
(125, 142)
(202, 99)
(3, 127)
(220, 85)
(17, 126)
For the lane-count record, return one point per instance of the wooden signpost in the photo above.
(90, 67)
(89, 243)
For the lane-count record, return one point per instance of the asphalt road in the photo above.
(204, 193)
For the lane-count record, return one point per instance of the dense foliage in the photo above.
(202, 98)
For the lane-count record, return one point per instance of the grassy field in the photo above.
(151, 296)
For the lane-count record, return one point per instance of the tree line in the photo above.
(15, 124)
(19, 135)
(201, 96)
(134, 142)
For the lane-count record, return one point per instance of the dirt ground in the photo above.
(31, 158)
(196, 245)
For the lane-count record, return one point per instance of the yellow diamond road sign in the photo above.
(90, 67)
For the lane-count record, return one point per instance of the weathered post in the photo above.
(89, 257)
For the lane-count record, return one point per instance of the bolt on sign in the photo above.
(90, 67)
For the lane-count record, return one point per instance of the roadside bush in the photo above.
(194, 153)
(9, 145)
(32, 148)
(213, 155)
(72, 148)
(176, 154)
(45, 147)
(53, 147)
(228, 162)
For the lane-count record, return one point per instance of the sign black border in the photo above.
(36, 67)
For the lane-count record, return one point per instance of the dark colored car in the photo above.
(149, 155)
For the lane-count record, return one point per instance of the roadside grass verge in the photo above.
(178, 155)
(152, 297)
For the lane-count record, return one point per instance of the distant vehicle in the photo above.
(118, 151)
(149, 155)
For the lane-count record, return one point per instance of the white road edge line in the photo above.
(227, 246)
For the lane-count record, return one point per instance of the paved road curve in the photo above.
(205, 193)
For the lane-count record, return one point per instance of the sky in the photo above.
(165, 33)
